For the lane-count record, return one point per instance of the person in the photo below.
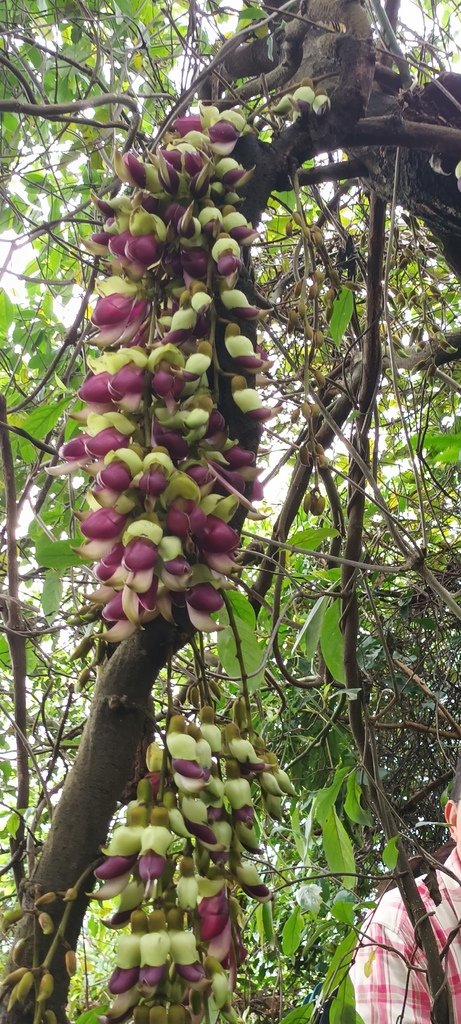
(389, 971)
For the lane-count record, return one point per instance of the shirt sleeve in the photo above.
(389, 989)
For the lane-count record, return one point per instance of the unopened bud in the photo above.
(46, 923)
(71, 962)
(46, 987)
(43, 901)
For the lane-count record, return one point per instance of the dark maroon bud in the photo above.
(246, 814)
(135, 168)
(122, 979)
(212, 925)
(143, 249)
(152, 483)
(150, 203)
(116, 476)
(175, 445)
(103, 524)
(238, 457)
(114, 866)
(193, 163)
(193, 973)
(95, 389)
(117, 244)
(150, 866)
(189, 123)
(113, 610)
(108, 440)
(129, 380)
(75, 448)
(140, 554)
(172, 157)
(204, 598)
(190, 769)
(107, 566)
(195, 262)
(148, 600)
(216, 424)
(149, 977)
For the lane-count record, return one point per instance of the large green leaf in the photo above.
(56, 554)
(338, 849)
(51, 594)
(326, 798)
(352, 804)
(292, 931)
(332, 642)
(251, 653)
(343, 308)
(342, 1009)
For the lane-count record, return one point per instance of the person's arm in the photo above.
(390, 986)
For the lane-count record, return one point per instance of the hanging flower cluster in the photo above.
(166, 477)
(175, 865)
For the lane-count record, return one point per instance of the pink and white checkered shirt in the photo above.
(387, 989)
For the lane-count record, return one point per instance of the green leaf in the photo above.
(342, 1009)
(7, 312)
(338, 849)
(352, 805)
(391, 853)
(56, 554)
(51, 594)
(39, 423)
(332, 642)
(292, 931)
(340, 963)
(311, 539)
(252, 654)
(326, 798)
(91, 1016)
(301, 1015)
(310, 630)
(343, 307)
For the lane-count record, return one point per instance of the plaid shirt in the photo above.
(388, 990)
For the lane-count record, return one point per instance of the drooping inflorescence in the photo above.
(177, 867)
(167, 478)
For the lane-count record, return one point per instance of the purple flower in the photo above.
(104, 524)
(194, 263)
(217, 543)
(184, 518)
(127, 387)
(122, 979)
(144, 249)
(151, 866)
(223, 137)
(107, 440)
(150, 977)
(95, 390)
(75, 449)
(108, 565)
(175, 445)
(200, 601)
(135, 170)
(118, 318)
(192, 973)
(140, 554)
(189, 123)
(116, 476)
(112, 867)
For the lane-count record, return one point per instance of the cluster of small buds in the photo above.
(176, 864)
(167, 479)
(303, 100)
